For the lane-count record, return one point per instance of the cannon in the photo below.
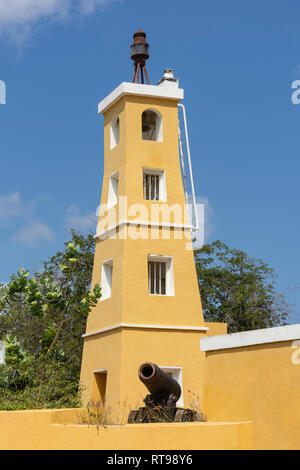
(161, 402)
(164, 390)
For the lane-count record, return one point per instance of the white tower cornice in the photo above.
(126, 88)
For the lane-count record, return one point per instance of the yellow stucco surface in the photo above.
(120, 351)
(259, 383)
(130, 300)
(31, 430)
(250, 399)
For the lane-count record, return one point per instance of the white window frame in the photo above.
(162, 183)
(114, 131)
(113, 188)
(168, 260)
(106, 279)
(177, 375)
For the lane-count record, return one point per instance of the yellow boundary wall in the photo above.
(43, 430)
(258, 383)
(251, 399)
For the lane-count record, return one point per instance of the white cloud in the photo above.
(17, 12)
(15, 212)
(19, 17)
(11, 207)
(33, 232)
(78, 221)
(89, 6)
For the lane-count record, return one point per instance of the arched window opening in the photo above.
(114, 131)
(151, 125)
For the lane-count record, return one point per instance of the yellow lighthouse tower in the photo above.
(150, 308)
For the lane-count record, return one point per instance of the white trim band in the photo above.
(126, 88)
(135, 325)
(113, 228)
(250, 338)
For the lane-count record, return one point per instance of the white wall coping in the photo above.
(250, 338)
(135, 325)
(127, 88)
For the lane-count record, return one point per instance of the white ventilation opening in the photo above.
(152, 125)
(175, 373)
(114, 131)
(160, 275)
(106, 279)
(154, 183)
(113, 190)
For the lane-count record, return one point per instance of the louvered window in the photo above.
(154, 184)
(151, 187)
(157, 277)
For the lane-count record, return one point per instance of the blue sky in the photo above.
(236, 61)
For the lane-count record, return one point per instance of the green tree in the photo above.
(237, 289)
(45, 316)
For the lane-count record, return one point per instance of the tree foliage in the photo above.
(237, 289)
(43, 318)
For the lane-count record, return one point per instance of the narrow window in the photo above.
(151, 125)
(160, 275)
(113, 190)
(114, 131)
(99, 386)
(106, 279)
(157, 278)
(154, 185)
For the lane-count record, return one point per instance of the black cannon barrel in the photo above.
(160, 385)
